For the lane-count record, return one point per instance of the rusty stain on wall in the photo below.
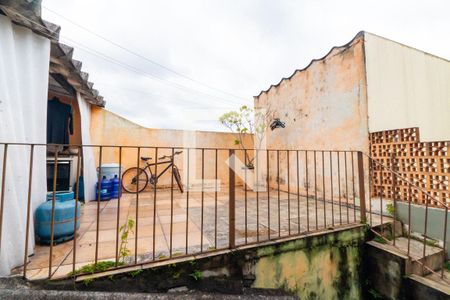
(324, 107)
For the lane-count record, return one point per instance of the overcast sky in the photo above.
(225, 51)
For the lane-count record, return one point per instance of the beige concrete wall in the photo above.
(108, 128)
(407, 88)
(324, 107)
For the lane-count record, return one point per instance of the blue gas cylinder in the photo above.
(105, 189)
(64, 221)
(115, 187)
(81, 189)
(61, 196)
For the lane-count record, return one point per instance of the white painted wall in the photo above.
(407, 88)
(24, 64)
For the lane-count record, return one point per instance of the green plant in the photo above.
(176, 254)
(125, 230)
(136, 272)
(93, 268)
(375, 294)
(447, 265)
(176, 274)
(88, 281)
(105, 265)
(379, 240)
(197, 275)
(246, 120)
(431, 242)
(390, 209)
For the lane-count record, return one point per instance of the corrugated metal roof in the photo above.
(61, 55)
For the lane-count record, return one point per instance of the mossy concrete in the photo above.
(322, 265)
(316, 267)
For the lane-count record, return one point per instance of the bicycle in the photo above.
(132, 176)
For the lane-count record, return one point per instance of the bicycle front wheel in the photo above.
(134, 180)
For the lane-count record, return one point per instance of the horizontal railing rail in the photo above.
(228, 198)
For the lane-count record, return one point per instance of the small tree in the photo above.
(246, 121)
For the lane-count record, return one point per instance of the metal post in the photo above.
(52, 229)
(362, 191)
(2, 198)
(80, 149)
(232, 195)
(394, 186)
(27, 228)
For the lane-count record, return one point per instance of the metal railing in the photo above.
(390, 191)
(231, 198)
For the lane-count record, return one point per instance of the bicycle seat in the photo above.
(145, 158)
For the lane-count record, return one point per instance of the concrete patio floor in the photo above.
(284, 217)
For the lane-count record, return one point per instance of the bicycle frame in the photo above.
(149, 165)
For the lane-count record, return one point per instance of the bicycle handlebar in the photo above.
(170, 156)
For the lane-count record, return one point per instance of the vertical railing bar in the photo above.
(315, 190)
(394, 184)
(346, 186)
(245, 193)
(52, 230)
(98, 204)
(187, 203)
(202, 199)
(409, 218)
(298, 193)
(171, 204)
(278, 193)
(289, 192)
(324, 194)
(80, 149)
(307, 191)
(371, 188)
(339, 186)
(137, 206)
(331, 188)
(353, 186)
(215, 200)
(361, 187)
(118, 206)
(268, 196)
(154, 203)
(2, 198)
(444, 253)
(27, 227)
(232, 201)
(424, 235)
(257, 194)
(381, 195)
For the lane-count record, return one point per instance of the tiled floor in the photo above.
(154, 238)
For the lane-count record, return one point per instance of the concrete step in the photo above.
(387, 229)
(432, 258)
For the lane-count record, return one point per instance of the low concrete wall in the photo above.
(319, 266)
(387, 276)
(385, 271)
(436, 218)
(108, 128)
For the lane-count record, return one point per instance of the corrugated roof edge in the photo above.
(74, 75)
(359, 34)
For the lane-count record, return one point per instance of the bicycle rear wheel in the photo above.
(132, 177)
(176, 174)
